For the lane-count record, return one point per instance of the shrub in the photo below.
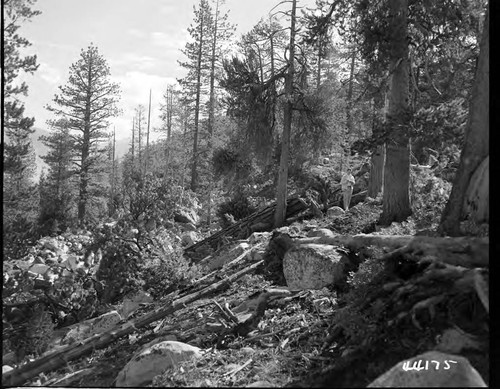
(429, 195)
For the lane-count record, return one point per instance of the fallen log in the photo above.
(62, 356)
(258, 221)
(461, 251)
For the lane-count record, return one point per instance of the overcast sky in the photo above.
(141, 40)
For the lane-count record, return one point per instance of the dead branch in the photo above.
(60, 357)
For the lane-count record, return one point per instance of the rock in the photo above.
(314, 266)
(168, 224)
(247, 350)
(449, 371)
(39, 268)
(189, 238)
(257, 237)
(133, 302)
(6, 368)
(39, 259)
(334, 212)
(326, 161)
(322, 232)
(50, 244)
(159, 339)
(154, 360)
(186, 216)
(71, 262)
(453, 341)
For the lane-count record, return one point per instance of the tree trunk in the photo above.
(281, 193)
(475, 151)
(376, 182)
(194, 166)
(396, 199)
(396, 196)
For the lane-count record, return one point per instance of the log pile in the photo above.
(259, 221)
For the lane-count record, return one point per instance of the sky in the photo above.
(141, 41)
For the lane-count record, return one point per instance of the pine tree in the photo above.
(19, 191)
(87, 101)
(197, 65)
(57, 186)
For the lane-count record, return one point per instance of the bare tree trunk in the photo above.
(281, 193)
(396, 197)
(194, 166)
(211, 115)
(475, 151)
(147, 135)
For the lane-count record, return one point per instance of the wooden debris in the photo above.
(60, 357)
(245, 227)
(462, 251)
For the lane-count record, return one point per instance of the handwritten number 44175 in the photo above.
(417, 365)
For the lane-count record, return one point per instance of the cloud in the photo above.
(49, 74)
(135, 86)
(134, 60)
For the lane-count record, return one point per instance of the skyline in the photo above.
(140, 44)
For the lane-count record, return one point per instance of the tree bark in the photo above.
(376, 182)
(476, 148)
(396, 197)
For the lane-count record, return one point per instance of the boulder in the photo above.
(39, 268)
(189, 238)
(314, 266)
(334, 212)
(71, 262)
(154, 360)
(326, 161)
(431, 369)
(321, 232)
(6, 368)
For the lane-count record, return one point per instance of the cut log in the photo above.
(243, 228)
(462, 251)
(62, 356)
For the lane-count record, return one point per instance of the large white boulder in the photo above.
(313, 266)
(431, 369)
(154, 360)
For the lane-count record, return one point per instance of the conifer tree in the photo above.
(87, 101)
(19, 190)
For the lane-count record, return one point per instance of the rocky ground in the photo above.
(257, 332)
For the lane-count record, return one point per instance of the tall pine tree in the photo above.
(87, 101)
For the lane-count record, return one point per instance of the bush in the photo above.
(165, 268)
(429, 195)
